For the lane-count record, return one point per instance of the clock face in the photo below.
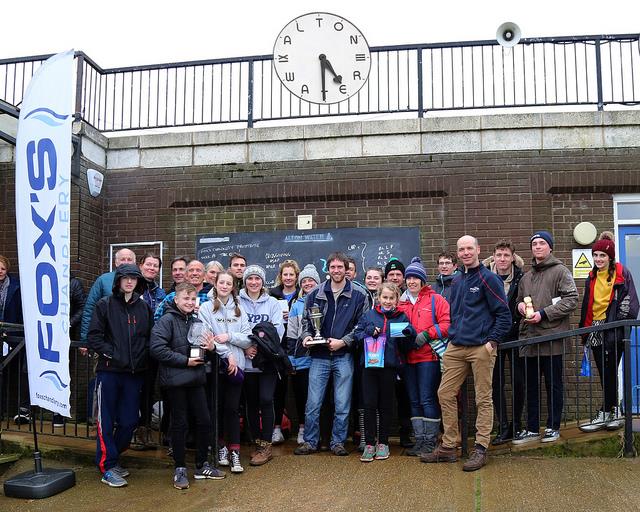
(322, 58)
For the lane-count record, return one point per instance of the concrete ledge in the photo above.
(94, 153)
(6, 152)
(123, 159)
(220, 137)
(451, 142)
(501, 132)
(163, 140)
(322, 131)
(343, 147)
(276, 151)
(566, 138)
(166, 157)
(511, 140)
(382, 145)
(220, 154)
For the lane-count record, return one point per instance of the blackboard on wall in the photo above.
(370, 247)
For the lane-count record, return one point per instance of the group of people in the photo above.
(395, 338)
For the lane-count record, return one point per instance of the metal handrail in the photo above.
(569, 71)
(567, 334)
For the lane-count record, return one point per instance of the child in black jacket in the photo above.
(182, 375)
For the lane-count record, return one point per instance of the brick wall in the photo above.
(490, 195)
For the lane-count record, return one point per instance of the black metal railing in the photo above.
(583, 390)
(581, 396)
(577, 71)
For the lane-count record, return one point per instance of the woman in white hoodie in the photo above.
(230, 330)
(260, 384)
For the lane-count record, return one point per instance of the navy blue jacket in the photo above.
(339, 319)
(479, 308)
(394, 346)
(13, 306)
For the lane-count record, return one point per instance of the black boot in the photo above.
(405, 433)
(505, 435)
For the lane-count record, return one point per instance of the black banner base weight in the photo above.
(38, 485)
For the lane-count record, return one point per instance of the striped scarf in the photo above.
(4, 289)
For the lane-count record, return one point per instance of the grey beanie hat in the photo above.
(254, 270)
(309, 271)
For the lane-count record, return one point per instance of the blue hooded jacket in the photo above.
(479, 308)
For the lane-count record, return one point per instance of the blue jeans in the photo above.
(341, 367)
(422, 381)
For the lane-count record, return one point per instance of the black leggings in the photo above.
(279, 399)
(300, 381)
(607, 358)
(229, 413)
(189, 402)
(378, 389)
(259, 389)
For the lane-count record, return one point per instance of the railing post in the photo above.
(628, 405)
(250, 96)
(599, 75)
(79, 76)
(420, 91)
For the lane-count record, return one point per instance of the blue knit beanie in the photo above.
(545, 235)
(416, 269)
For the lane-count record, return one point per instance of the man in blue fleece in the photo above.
(480, 318)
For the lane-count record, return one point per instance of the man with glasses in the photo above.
(448, 269)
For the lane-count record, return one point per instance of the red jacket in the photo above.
(421, 318)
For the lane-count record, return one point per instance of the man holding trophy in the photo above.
(332, 311)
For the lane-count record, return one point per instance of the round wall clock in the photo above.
(322, 58)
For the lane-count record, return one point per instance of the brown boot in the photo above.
(477, 459)
(440, 454)
(263, 455)
(256, 448)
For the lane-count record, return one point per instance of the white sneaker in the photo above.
(550, 435)
(301, 434)
(597, 423)
(236, 467)
(616, 419)
(277, 437)
(223, 456)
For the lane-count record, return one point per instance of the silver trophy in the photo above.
(316, 318)
(195, 337)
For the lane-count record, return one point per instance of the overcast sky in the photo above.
(128, 32)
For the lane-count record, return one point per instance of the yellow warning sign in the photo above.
(582, 263)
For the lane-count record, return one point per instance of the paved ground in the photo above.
(321, 482)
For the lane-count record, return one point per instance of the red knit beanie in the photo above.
(605, 245)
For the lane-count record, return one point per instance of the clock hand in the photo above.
(336, 77)
(323, 67)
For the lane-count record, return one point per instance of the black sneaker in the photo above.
(208, 472)
(23, 417)
(58, 420)
(525, 436)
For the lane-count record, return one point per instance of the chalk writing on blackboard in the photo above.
(368, 246)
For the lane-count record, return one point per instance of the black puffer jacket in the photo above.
(271, 357)
(119, 331)
(170, 346)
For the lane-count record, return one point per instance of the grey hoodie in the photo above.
(264, 309)
(225, 321)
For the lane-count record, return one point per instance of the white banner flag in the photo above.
(43, 193)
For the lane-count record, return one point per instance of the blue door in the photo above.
(629, 250)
